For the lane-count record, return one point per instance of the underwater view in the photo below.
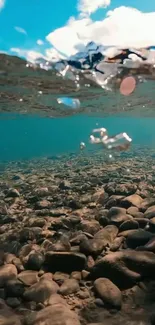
(77, 162)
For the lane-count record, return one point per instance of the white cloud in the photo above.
(2, 4)
(20, 30)
(90, 6)
(123, 27)
(29, 55)
(40, 42)
(69, 32)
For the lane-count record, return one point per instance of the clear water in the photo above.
(27, 137)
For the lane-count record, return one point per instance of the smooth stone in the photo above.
(35, 261)
(41, 291)
(108, 292)
(128, 225)
(58, 313)
(47, 276)
(117, 216)
(113, 201)
(138, 237)
(91, 227)
(99, 196)
(125, 268)
(14, 288)
(104, 221)
(133, 199)
(117, 244)
(68, 287)
(100, 241)
(28, 278)
(139, 215)
(65, 261)
(142, 222)
(148, 202)
(150, 246)
(150, 212)
(7, 272)
(56, 299)
(134, 212)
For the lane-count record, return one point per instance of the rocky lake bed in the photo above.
(77, 240)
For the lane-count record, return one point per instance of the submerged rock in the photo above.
(41, 291)
(125, 268)
(65, 261)
(100, 241)
(108, 292)
(68, 287)
(58, 313)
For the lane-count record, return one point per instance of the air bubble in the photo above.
(82, 145)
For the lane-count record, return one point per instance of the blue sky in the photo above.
(38, 18)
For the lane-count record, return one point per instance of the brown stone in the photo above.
(58, 313)
(68, 287)
(125, 268)
(133, 199)
(7, 272)
(108, 292)
(28, 277)
(41, 291)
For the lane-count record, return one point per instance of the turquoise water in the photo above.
(31, 137)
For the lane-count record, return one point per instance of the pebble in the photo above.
(133, 199)
(118, 215)
(68, 287)
(101, 239)
(7, 272)
(28, 277)
(129, 224)
(124, 268)
(41, 291)
(108, 292)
